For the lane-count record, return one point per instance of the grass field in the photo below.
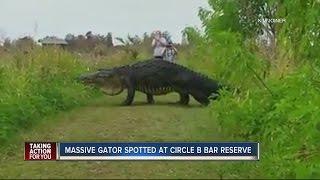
(104, 120)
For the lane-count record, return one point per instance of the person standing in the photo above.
(170, 52)
(159, 43)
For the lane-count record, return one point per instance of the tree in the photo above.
(24, 44)
(246, 17)
(69, 37)
(184, 39)
(131, 45)
(7, 43)
(109, 40)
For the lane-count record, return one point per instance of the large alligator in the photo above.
(154, 77)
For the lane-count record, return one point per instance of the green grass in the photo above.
(105, 120)
(38, 84)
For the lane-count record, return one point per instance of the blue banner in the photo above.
(158, 151)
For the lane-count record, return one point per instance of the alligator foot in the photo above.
(202, 99)
(150, 99)
(130, 97)
(184, 99)
(126, 103)
(205, 102)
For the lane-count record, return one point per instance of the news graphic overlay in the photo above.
(159, 151)
(142, 151)
(40, 151)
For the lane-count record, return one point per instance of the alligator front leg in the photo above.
(150, 99)
(130, 91)
(130, 97)
(184, 98)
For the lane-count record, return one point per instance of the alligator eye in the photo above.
(104, 76)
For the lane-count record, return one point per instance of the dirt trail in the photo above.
(104, 120)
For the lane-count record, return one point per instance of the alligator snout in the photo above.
(87, 78)
(81, 78)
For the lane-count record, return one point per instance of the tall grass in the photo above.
(279, 99)
(36, 84)
(277, 106)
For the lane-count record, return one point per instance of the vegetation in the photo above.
(35, 85)
(37, 82)
(103, 120)
(279, 99)
(269, 53)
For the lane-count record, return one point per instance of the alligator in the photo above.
(154, 77)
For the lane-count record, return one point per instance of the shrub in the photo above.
(279, 99)
(38, 84)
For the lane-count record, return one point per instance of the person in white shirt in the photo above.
(159, 44)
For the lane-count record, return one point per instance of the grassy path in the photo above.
(104, 120)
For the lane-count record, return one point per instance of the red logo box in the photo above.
(42, 151)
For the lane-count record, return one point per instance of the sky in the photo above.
(39, 18)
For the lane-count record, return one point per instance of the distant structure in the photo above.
(53, 41)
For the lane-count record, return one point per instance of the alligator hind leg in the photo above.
(204, 100)
(150, 99)
(184, 98)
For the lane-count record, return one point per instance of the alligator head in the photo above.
(107, 80)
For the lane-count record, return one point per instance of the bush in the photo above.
(279, 99)
(286, 124)
(38, 84)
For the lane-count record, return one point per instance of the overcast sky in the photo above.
(39, 18)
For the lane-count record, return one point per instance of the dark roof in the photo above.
(53, 40)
